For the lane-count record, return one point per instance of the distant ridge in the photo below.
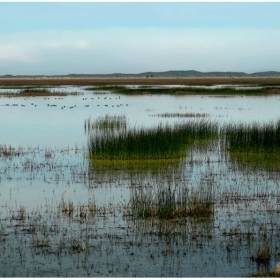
(175, 73)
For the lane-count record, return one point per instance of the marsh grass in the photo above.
(35, 91)
(9, 151)
(200, 202)
(81, 211)
(21, 214)
(164, 203)
(254, 137)
(107, 122)
(188, 90)
(257, 144)
(171, 202)
(262, 255)
(161, 142)
(178, 115)
(39, 92)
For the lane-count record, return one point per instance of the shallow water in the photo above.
(44, 162)
(44, 121)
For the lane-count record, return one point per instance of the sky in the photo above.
(46, 38)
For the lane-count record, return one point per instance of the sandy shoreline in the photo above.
(139, 81)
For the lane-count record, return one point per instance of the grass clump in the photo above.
(254, 143)
(161, 142)
(262, 255)
(200, 203)
(169, 202)
(253, 137)
(164, 203)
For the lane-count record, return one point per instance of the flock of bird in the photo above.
(71, 107)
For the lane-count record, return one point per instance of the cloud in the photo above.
(138, 50)
(82, 44)
(15, 53)
(53, 45)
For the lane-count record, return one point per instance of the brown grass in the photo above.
(41, 93)
(138, 81)
(274, 91)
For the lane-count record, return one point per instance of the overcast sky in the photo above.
(92, 38)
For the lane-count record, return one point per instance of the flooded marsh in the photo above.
(205, 208)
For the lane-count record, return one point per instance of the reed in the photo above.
(200, 203)
(255, 138)
(161, 142)
(171, 202)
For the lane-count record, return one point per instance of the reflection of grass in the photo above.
(188, 90)
(161, 142)
(101, 170)
(267, 160)
(134, 164)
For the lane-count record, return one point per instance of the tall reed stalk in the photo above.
(254, 137)
(161, 142)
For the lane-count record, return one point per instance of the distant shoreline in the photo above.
(89, 81)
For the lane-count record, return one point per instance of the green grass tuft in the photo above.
(161, 142)
(169, 202)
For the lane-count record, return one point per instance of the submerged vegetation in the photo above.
(188, 90)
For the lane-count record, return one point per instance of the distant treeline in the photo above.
(176, 73)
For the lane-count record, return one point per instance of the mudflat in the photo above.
(85, 81)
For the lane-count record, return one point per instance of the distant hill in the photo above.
(175, 73)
